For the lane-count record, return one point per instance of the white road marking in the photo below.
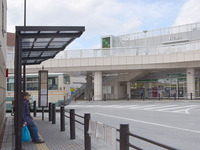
(151, 123)
(109, 106)
(186, 110)
(158, 107)
(166, 109)
(126, 106)
(140, 107)
(163, 108)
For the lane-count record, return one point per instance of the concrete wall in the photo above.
(2, 65)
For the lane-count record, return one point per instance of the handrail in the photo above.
(131, 51)
(162, 31)
(150, 141)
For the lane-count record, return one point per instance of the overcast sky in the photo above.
(104, 17)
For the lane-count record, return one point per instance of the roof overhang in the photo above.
(39, 43)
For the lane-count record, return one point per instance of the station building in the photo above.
(161, 63)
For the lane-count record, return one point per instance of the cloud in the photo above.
(107, 17)
(189, 13)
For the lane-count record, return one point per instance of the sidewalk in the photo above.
(54, 139)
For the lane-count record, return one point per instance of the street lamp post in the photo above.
(145, 40)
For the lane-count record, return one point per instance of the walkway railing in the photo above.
(124, 132)
(131, 51)
(159, 32)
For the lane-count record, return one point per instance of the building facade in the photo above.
(3, 8)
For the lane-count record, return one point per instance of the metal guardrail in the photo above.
(124, 133)
(131, 51)
(125, 144)
(159, 32)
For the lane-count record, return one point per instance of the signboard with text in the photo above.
(43, 88)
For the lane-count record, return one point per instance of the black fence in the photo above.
(124, 134)
(125, 144)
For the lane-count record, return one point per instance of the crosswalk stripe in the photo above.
(110, 106)
(175, 108)
(139, 107)
(158, 107)
(125, 106)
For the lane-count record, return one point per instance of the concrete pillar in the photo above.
(88, 84)
(98, 89)
(129, 89)
(190, 73)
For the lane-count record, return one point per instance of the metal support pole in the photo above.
(24, 78)
(42, 113)
(191, 96)
(72, 124)
(34, 109)
(24, 12)
(50, 111)
(62, 118)
(18, 72)
(53, 113)
(124, 137)
(87, 137)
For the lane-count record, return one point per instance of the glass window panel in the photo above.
(53, 83)
(10, 86)
(32, 86)
(43, 40)
(62, 39)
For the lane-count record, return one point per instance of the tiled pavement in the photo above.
(54, 139)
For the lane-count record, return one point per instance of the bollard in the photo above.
(53, 113)
(62, 118)
(124, 137)
(87, 137)
(34, 109)
(42, 113)
(104, 97)
(191, 96)
(50, 111)
(72, 124)
(127, 97)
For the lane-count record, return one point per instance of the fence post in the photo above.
(86, 135)
(72, 124)
(50, 111)
(191, 96)
(62, 118)
(34, 108)
(53, 113)
(124, 137)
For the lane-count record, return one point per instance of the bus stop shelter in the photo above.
(35, 44)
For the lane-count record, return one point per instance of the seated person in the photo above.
(28, 120)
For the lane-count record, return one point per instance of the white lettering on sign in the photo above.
(171, 38)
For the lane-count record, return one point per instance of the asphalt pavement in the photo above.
(173, 123)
